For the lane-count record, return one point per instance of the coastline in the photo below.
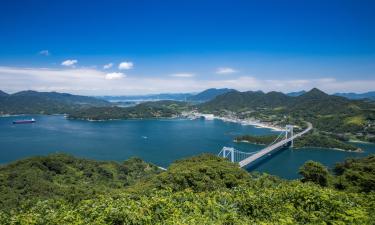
(358, 150)
(189, 115)
(244, 122)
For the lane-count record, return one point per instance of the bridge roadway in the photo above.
(270, 148)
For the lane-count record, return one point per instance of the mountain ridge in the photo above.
(34, 102)
(209, 94)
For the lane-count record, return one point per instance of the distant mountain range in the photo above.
(209, 94)
(2, 93)
(203, 96)
(313, 100)
(150, 97)
(368, 95)
(33, 102)
(295, 94)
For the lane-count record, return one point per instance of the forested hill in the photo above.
(157, 109)
(240, 101)
(209, 94)
(327, 113)
(61, 176)
(205, 189)
(2, 93)
(33, 102)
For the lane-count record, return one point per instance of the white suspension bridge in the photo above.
(285, 139)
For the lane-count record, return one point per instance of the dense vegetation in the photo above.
(357, 175)
(158, 109)
(323, 141)
(60, 176)
(32, 102)
(259, 140)
(200, 190)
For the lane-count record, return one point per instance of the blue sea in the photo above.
(159, 141)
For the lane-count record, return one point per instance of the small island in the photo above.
(315, 140)
(158, 109)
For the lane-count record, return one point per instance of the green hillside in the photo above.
(32, 102)
(61, 176)
(209, 94)
(157, 109)
(328, 113)
(205, 189)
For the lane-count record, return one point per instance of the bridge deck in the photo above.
(271, 148)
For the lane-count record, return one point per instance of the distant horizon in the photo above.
(192, 93)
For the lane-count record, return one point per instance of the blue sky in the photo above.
(183, 46)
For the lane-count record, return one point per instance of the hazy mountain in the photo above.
(28, 102)
(150, 97)
(209, 94)
(2, 93)
(295, 94)
(368, 95)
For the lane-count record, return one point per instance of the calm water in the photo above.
(157, 141)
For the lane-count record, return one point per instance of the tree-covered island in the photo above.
(158, 109)
(315, 139)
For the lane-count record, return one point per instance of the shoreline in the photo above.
(244, 122)
(188, 115)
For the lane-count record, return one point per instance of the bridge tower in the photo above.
(227, 151)
(289, 133)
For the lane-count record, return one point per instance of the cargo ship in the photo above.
(24, 121)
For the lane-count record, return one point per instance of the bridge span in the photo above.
(245, 158)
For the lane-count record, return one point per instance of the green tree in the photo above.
(314, 172)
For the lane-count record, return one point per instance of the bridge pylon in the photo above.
(227, 151)
(289, 134)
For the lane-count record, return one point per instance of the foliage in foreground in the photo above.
(353, 175)
(356, 174)
(200, 190)
(286, 203)
(60, 176)
(205, 172)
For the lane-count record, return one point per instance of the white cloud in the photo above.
(44, 52)
(90, 81)
(113, 76)
(107, 66)
(69, 62)
(125, 65)
(182, 75)
(225, 70)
